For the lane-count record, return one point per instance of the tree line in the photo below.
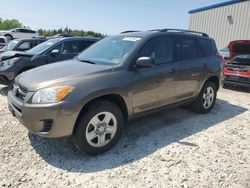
(8, 24)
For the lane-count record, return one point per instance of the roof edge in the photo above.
(214, 6)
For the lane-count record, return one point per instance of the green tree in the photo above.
(9, 24)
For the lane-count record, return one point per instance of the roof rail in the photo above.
(129, 32)
(183, 30)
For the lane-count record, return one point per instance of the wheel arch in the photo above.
(114, 98)
(214, 79)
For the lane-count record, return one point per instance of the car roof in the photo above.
(30, 39)
(144, 34)
(78, 38)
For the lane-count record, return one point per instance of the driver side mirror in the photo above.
(145, 62)
(54, 52)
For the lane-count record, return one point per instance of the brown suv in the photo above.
(115, 80)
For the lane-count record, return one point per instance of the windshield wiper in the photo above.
(86, 61)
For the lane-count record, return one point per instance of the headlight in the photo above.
(10, 62)
(51, 95)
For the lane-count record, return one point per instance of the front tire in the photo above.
(204, 103)
(99, 128)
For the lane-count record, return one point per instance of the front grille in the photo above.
(237, 68)
(19, 91)
(237, 79)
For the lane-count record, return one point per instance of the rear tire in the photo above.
(99, 128)
(204, 103)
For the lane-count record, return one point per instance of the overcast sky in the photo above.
(105, 16)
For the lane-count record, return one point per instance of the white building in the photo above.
(224, 21)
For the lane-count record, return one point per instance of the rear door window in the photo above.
(160, 49)
(187, 48)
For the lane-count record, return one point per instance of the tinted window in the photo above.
(20, 30)
(208, 47)
(57, 47)
(160, 49)
(70, 47)
(2, 40)
(24, 46)
(84, 44)
(186, 48)
(30, 31)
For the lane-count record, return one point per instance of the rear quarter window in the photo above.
(208, 47)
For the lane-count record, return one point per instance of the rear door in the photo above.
(191, 67)
(156, 86)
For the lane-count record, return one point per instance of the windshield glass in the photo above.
(109, 51)
(11, 45)
(43, 46)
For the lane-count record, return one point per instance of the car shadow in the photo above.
(141, 138)
(3, 90)
(237, 88)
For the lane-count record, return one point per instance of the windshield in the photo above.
(109, 51)
(11, 45)
(43, 46)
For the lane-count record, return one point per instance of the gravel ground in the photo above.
(173, 148)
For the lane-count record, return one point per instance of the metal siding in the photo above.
(215, 23)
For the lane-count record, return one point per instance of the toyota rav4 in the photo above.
(116, 79)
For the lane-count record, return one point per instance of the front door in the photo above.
(156, 86)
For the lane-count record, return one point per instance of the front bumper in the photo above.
(50, 120)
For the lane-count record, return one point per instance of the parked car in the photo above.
(21, 44)
(18, 33)
(237, 68)
(117, 79)
(225, 53)
(13, 63)
(3, 42)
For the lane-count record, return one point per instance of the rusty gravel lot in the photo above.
(173, 148)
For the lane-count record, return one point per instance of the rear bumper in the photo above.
(50, 121)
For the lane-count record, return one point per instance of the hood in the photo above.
(239, 47)
(11, 54)
(57, 73)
